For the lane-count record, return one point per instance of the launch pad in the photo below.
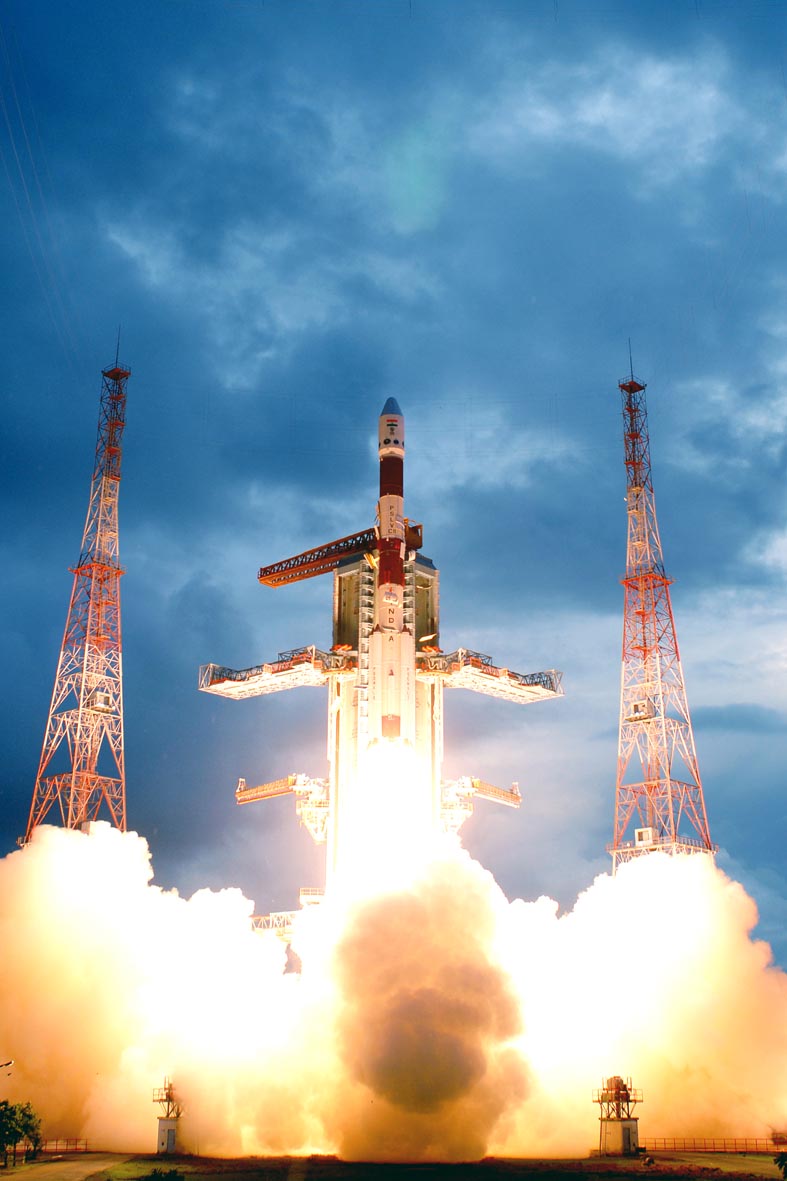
(385, 673)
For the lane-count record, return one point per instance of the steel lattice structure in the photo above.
(658, 792)
(84, 731)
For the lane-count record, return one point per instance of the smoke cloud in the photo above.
(436, 1021)
(426, 1019)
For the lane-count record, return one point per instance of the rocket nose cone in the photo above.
(391, 407)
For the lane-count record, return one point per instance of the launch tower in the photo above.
(659, 803)
(84, 731)
(385, 673)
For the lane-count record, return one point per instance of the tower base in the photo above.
(167, 1136)
(619, 1137)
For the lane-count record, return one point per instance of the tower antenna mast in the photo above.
(84, 731)
(659, 802)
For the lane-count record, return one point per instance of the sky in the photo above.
(295, 209)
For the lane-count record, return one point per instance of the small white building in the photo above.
(167, 1134)
(619, 1137)
(169, 1119)
(618, 1133)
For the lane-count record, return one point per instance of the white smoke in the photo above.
(431, 1022)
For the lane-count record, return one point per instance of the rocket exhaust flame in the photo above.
(433, 1020)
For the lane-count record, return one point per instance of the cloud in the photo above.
(769, 549)
(734, 636)
(740, 716)
(668, 116)
(416, 175)
(265, 291)
(476, 443)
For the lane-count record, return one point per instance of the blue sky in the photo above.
(297, 209)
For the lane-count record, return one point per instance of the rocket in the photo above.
(392, 642)
(384, 799)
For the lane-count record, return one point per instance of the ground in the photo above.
(106, 1167)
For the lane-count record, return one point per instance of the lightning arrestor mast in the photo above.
(659, 801)
(84, 730)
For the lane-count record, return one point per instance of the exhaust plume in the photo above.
(431, 1021)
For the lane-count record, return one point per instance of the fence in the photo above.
(54, 1147)
(712, 1144)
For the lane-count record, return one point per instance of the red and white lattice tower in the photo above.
(659, 804)
(84, 733)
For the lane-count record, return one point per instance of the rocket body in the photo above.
(385, 726)
(392, 643)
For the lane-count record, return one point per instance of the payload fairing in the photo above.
(385, 672)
